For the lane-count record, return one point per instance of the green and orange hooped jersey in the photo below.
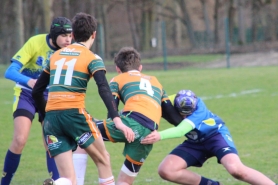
(139, 93)
(70, 70)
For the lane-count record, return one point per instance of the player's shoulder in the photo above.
(149, 76)
(153, 79)
(93, 55)
(97, 57)
(38, 38)
(36, 42)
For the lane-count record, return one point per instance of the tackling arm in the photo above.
(175, 132)
(170, 113)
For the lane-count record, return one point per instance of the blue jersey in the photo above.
(205, 124)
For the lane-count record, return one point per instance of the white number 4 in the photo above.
(147, 86)
(60, 63)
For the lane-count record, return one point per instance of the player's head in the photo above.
(59, 26)
(84, 26)
(185, 102)
(128, 59)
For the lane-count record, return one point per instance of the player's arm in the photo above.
(37, 91)
(106, 94)
(175, 132)
(117, 101)
(12, 73)
(170, 113)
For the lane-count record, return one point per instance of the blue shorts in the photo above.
(24, 105)
(195, 154)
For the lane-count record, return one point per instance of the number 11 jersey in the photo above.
(70, 70)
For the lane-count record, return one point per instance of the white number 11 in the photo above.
(60, 63)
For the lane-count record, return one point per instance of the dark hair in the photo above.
(127, 59)
(83, 25)
(59, 25)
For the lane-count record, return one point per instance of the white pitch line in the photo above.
(252, 91)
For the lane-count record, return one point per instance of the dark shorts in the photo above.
(195, 154)
(65, 129)
(135, 152)
(24, 105)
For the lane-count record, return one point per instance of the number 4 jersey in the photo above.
(70, 70)
(139, 93)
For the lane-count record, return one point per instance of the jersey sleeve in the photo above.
(164, 96)
(175, 132)
(24, 55)
(96, 64)
(114, 87)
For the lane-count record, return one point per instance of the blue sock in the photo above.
(10, 166)
(51, 166)
(205, 181)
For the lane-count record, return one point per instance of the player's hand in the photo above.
(31, 83)
(151, 138)
(128, 132)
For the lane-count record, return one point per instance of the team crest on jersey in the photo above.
(18, 57)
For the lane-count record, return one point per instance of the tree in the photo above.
(132, 24)
(47, 14)
(216, 7)
(19, 26)
(241, 21)
(184, 17)
(206, 20)
(147, 23)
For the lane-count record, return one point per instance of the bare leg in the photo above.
(22, 126)
(65, 166)
(173, 168)
(241, 172)
(100, 156)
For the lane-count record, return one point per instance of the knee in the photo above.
(19, 142)
(164, 173)
(237, 172)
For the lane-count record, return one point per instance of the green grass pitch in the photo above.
(246, 99)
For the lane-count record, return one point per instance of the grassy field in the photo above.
(189, 59)
(246, 98)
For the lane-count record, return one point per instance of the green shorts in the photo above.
(135, 152)
(64, 130)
